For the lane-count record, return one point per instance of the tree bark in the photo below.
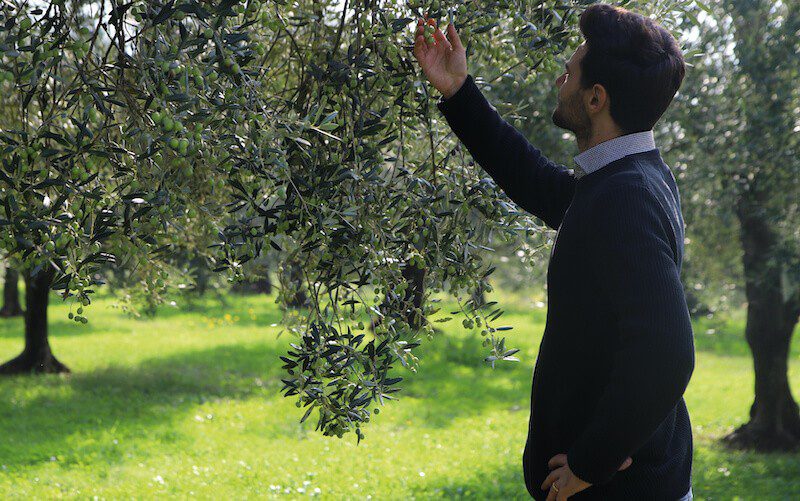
(413, 296)
(295, 275)
(36, 357)
(774, 417)
(11, 306)
(262, 284)
(201, 275)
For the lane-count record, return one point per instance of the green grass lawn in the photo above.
(188, 404)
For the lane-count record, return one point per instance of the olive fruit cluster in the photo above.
(169, 124)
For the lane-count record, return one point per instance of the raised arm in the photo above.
(533, 182)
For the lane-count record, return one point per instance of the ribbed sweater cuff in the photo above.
(468, 92)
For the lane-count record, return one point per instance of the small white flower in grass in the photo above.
(159, 479)
(317, 490)
(422, 474)
(301, 490)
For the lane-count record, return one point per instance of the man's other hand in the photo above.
(566, 481)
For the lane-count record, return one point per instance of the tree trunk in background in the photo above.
(201, 275)
(295, 275)
(414, 295)
(37, 356)
(11, 306)
(774, 418)
(261, 285)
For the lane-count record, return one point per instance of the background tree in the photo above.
(736, 143)
(11, 306)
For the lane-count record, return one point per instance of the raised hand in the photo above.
(444, 62)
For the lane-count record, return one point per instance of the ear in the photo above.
(596, 99)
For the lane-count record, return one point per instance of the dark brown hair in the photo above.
(637, 61)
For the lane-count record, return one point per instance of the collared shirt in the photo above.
(606, 152)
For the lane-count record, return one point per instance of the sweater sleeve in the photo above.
(634, 262)
(536, 184)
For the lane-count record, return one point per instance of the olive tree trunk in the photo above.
(36, 357)
(774, 417)
(413, 296)
(11, 305)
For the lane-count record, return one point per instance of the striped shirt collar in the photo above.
(606, 152)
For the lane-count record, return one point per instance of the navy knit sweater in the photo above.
(618, 350)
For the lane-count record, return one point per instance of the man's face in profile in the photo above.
(570, 113)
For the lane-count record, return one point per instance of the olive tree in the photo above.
(736, 143)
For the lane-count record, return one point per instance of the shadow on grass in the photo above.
(454, 381)
(39, 414)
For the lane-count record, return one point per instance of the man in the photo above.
(608, 419)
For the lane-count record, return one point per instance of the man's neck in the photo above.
(584, 143)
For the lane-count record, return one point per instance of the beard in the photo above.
(569, 115)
